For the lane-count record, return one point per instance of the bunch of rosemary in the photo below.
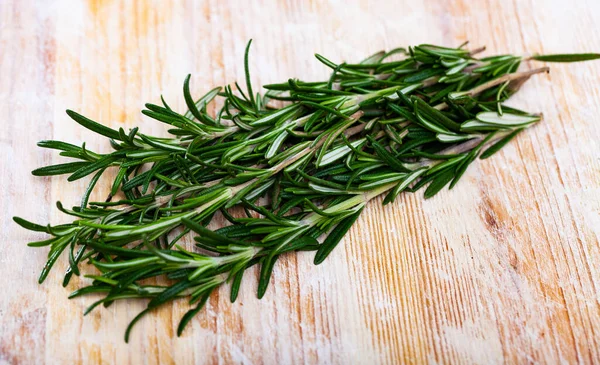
(288, 178)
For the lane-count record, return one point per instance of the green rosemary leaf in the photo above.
(90, 187)
(150, 175)
(133, 182)
(439, 181)
(335, 237)
(235, 285)
(506, 119)
(30, 226)
(169, 119)
(90, 168)
(72, 262)
(372, 59)
(339, 152)
(343, 70)
(70, 270)
(432, 114)
(423, 75)
(188, 99)
(43, 243)
(162, 99)
(191, 313)
(162, 145)
(326, 108)
(88, 290)
(387, 157)
(266, 271)
(125, 263)
(573, 57)
(381, 179)
(402, 185)
(59, 169)
(93, 126)
(118, 180)
(317, 210)
(55, 253)
(498, 145)
(305, 243)
(119, 251)
(134, 321)
(207, 233)
(58, 145)
(170, 293)
(247, 74)
(462, 167)
(442, 51)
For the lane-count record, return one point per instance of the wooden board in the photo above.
(502, 269)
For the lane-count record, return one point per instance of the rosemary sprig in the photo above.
(301, 172)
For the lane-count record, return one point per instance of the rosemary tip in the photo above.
(477, 50)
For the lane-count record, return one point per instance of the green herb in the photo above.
(301, 171)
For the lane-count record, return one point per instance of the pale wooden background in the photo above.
(505, 268)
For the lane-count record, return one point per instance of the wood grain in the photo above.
(502, 269)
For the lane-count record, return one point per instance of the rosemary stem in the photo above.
(505, 78)
(477, 51)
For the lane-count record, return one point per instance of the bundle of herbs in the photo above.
(290, 177)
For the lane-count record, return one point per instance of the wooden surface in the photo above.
(505, 268)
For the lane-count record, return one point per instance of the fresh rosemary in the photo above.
(288, 178)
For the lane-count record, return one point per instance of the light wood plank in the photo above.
(502, 269)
